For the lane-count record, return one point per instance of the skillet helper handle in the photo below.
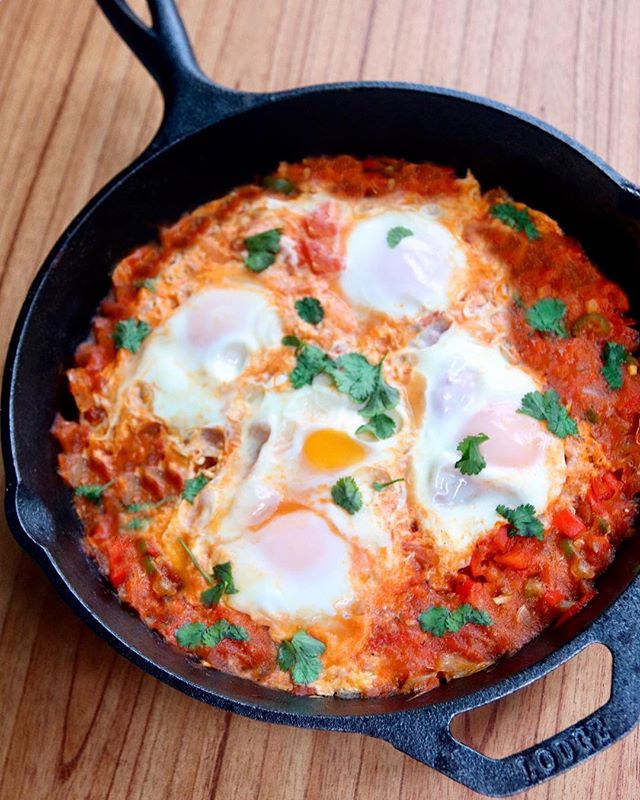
(425, 734)
(191, 100)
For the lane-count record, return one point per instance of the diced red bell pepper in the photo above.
(568, 523)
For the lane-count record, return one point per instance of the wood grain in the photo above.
(79, 721)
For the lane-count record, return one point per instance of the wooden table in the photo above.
(77, 721)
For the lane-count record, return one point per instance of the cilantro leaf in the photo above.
(547, 315)
(134, 508)
(146, 283)
(220, 581)
(311, 361)
(190, 634)
(300, 656)
(92, 491)
(523, 521)
(137, 523)
(196, 634)
(472, 461)
(381, 426)
(396, 235)
(193, 487)
(292, 341)
(345, 493)
(517, 218)
(613, 357)
(222, 629)
(439, 620)
(310, 310)
(382, 398)
(354, 375)
(548, 408)
(262, 249)
(282, 185)
(222, 574)
(378, 487)
(130, 333)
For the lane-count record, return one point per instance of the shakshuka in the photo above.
(356, 429)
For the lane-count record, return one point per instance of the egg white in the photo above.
(470, 385)
(407, 278)
(189, 362)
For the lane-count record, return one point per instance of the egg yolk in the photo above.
(515, 440)
(329, 449)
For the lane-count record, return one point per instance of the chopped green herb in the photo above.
(300, 656)
(310, 310)
(311, 361)
(149, 566)
(262, 249)
(135, 508)
(92, 491)
(190, 634)
(222, 629)
(282, 185)
(354, 375)
(146, 283)
(396, 235)
(137, 523)
(613, 357)
(130, 333)
(439, 620)
(292, 341)
(378, 487)
(220, 581)
(196, 634)
(472, 461)
(345, 493)
(523, 521)
(517, 300)
(193, 487)
(381, 426)
(547, 316)
(517, 218)
(548, 408)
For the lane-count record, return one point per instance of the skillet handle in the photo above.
(191, 100)
(425, 734)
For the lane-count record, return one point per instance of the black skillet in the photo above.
(210, 140)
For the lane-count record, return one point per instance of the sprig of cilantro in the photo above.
(310, 310)
(396, 235)
(378, 487)
(382, 426)
(262, 249)
(197, 634)
(345, 493)
(547, 315)
(523, 521)
(439, 620)
(471, 462)
(92, 491)
(310, 361)
(129, 334)
(220, 580)
(517, 218)
(281, 185)
(548, 408)
(193, 487)
(613, 357)
(300, 656)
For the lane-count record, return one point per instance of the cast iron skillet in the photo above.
(210, 140)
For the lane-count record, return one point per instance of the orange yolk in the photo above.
(329, 449)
